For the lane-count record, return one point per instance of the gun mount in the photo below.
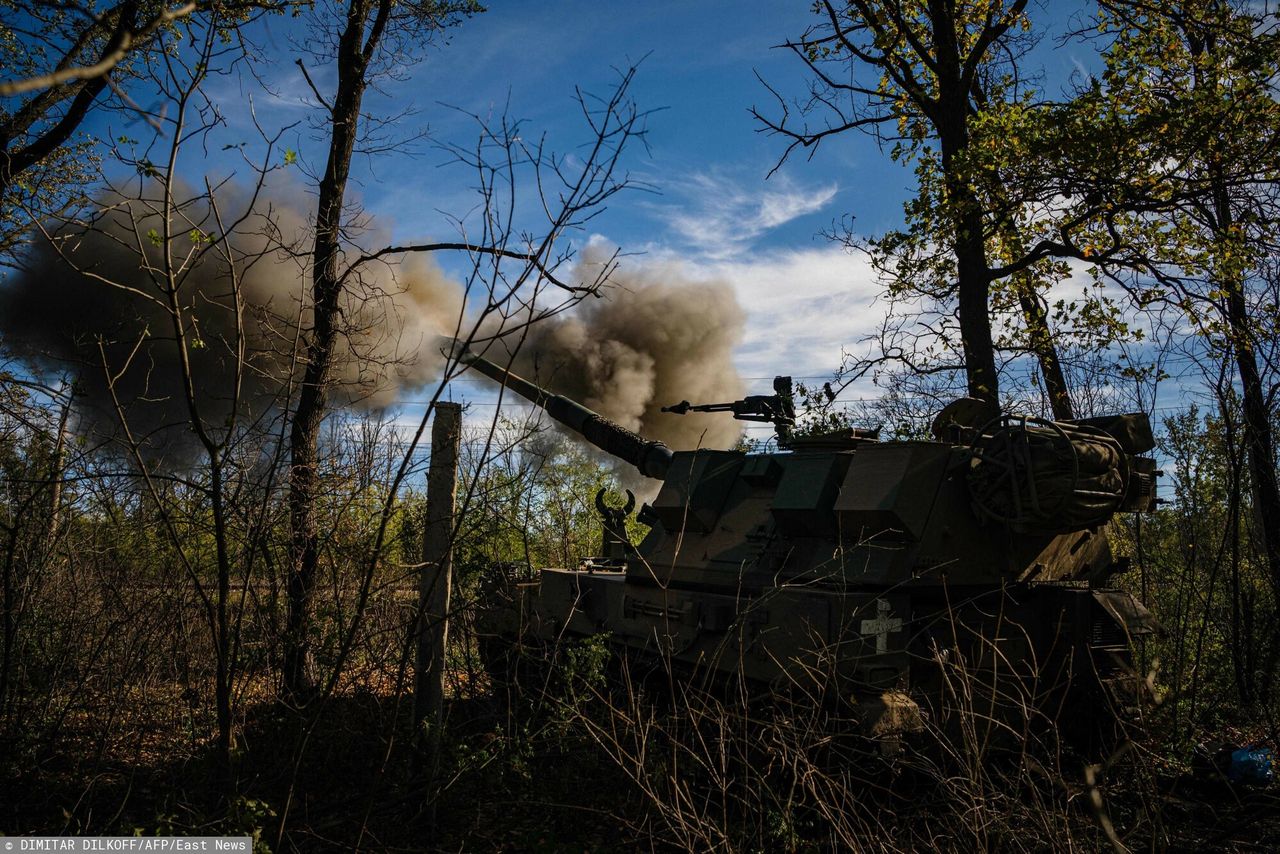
(872, 565)
(777, 409)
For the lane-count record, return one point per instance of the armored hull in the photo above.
(858, 566)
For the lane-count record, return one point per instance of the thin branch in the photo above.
(315, 91)
(531, 258)
(123, 40)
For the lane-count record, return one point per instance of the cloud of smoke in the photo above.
(657, 337)
(97, 302)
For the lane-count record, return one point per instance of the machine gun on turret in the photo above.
(777, 409)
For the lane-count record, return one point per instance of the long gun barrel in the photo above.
(651, 458)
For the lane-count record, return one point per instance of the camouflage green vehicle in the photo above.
(876, 570)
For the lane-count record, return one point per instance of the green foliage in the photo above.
(248, 817)
(1171, 152)
(533, 503)
(1201, 570)
(815, 412)
(244, 816)
(584, 663)
(986, 234)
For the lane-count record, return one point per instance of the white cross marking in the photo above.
(882, 625)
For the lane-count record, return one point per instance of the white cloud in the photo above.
(804, 307)
(719, 218)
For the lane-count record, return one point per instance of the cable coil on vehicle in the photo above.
(1038, 476)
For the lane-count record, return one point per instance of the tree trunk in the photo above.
(436, 579)
(353, 59)
(973, 275)
(1035, 317)
(1259, 438)
(222, 625)
(1040, 339)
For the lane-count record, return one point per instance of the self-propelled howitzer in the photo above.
(877, 569)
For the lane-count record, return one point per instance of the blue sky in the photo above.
(706, 158)
(710, 204)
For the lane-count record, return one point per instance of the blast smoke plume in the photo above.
(657, 337)
(94, 302)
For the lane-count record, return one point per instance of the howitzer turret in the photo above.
(652, 459)
(871, 566)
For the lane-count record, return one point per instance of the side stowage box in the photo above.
(889, 490)
(697, 486)
(809, 484)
